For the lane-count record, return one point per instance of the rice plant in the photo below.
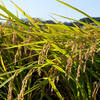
(54, 61)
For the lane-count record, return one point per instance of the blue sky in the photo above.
(45, 8)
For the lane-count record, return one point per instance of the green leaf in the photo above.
(42, 83)
(13, 16)
(55, 89)
(27, 16)
(27, 44)
(2, 63)
(98, 23)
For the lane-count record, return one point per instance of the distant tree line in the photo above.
(0, 23)
(86, 20)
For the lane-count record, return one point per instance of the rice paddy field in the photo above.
(52, 62)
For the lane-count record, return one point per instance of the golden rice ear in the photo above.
(78, 73)
(9, 96)
(96, 86)
(42, 56)
(69, 66)
(24, 84)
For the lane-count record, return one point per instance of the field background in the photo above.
(41, 61)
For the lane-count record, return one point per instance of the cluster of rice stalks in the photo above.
(49, 62)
